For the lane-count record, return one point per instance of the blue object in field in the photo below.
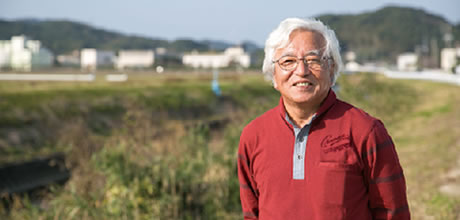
(215, 87)
(215, 83)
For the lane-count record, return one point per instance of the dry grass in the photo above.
(429, 146)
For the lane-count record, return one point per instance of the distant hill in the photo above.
(65, 36)
(390, 31)
(378, 35)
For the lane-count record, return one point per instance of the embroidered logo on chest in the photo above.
(334, 144)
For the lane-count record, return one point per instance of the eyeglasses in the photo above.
(289, 63)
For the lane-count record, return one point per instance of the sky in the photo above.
(233, 21)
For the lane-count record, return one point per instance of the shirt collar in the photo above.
(327, 103)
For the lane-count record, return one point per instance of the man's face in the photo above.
(303, 85)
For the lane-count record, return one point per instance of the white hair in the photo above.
(279, 38)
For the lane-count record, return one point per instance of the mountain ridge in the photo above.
(373, 35)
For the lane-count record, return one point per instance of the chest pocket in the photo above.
(338, 170)
(341, 182)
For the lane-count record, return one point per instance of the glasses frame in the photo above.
(305, 61)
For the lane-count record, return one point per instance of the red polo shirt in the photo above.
(351, 168)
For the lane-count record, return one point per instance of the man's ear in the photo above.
(331, 69)
(275, 85)
(274, 82)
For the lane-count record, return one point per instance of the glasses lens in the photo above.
(314, 64)
(288, 63)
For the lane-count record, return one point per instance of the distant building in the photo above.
(5, 54)
(350, 56)
(91, 59)
(450, 59)
(351, 65)
(23, 54)
(167, 58)
(72, 59)
(135, 59)
(407, 62)
(231, 56)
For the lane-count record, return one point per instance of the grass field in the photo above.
(164, 147)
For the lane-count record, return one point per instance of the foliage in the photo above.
(379, 98)
(456, 31)
(388, 32)
(127, 162)
(65, 36)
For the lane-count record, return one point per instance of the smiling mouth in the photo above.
(303, 84)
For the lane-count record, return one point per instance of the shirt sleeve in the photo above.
(384, 176)
(248, 189)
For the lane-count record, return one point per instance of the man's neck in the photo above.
(302, 113)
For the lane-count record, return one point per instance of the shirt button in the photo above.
(299, 157)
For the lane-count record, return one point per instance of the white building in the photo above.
(135, 59)
(407, 62)
(350, 56)
(72, 59)
(24, 54)
(233, 55)
(449, 58)
(5, 53)
(351, 65)
(91, 58)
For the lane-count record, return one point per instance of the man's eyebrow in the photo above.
(287, 54)
(315, 52)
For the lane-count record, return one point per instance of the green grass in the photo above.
(146, 149)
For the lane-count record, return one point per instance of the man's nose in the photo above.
(301, 68)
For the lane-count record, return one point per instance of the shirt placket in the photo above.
(300, 145)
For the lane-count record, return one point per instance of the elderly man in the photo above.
(315, 156)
